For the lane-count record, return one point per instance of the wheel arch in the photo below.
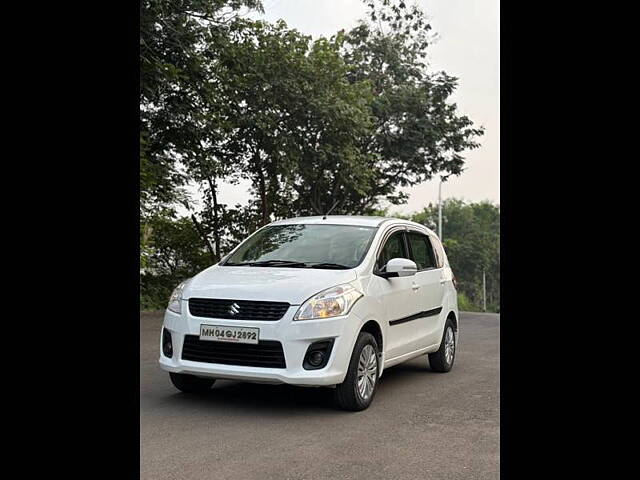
(454, 319)
(374, 328)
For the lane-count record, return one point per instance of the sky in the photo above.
(468, 48)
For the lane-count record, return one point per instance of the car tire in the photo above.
(191, 383)
(442, 360)
(354, 394)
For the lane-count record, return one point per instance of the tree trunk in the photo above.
(262, 188)
(203, 236)
(263, 197)
(216, 218)
(273, 191)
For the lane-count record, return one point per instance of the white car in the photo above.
(315, 301)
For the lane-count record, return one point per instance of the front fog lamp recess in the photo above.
(317, 355)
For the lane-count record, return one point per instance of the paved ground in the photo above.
(421, 425)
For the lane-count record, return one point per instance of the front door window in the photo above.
(394, 248)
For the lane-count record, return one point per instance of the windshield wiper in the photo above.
(276, 263)
(290, 263)
(336, 266)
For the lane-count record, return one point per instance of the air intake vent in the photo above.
(267, 353)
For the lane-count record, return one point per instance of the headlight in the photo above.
(175, 301)
(332, 302)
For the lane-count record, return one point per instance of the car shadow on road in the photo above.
(287, 399)
(275, 399)
(405, 374)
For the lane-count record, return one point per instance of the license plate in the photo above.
(218, 333)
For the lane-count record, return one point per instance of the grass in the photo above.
(466, 305)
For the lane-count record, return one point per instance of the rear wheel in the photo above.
(359, 386)
(191, 383)
(442, 360)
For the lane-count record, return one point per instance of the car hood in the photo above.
(276, 284)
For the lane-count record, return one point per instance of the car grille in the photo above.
(237, 309)
(267, 353)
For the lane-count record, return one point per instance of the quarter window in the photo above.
(422, 251)
(438, 250)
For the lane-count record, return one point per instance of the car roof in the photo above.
(359, 220)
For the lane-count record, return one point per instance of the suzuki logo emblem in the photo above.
(234, 308)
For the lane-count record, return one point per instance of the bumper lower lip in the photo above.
(252, 374)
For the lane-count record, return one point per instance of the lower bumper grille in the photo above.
(266, 354)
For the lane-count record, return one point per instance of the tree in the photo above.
(294, 120)
(472, 241)
(418, 132)
(176, 83)
(180, 113)
(171, 252)
(332, 170)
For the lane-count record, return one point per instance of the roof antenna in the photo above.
(330, 210)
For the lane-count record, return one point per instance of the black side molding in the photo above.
(415, 316)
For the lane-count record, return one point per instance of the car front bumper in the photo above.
(295, 337)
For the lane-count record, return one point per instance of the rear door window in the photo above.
(421, 250)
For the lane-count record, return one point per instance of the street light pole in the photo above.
(484, 291)
(440, 209)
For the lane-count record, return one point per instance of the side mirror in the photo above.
(399, 267)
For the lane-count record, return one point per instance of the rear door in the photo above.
(430, 287)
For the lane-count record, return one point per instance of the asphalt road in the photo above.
(421, 425)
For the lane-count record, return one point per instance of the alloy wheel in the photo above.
(367, 372)
(449, 345)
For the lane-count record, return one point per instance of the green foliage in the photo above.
(171, 250)
(177, 86)
(297, 120)
(465, 305)
(471, 238)
(418, 132)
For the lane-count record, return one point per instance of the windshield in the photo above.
(305, 246)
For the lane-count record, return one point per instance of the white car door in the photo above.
(431, 288)
(399, 298)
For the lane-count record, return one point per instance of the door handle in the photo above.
(442, 280)
(415, 287)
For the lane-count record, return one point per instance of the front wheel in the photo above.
(442, 360)
(191, 383)
(359, 386)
